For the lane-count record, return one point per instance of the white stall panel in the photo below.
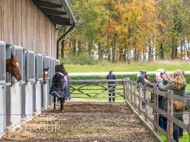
(28, 100)
(16, 105)
(38, 96)
(45, 96)
(50, 100)
(2, 109)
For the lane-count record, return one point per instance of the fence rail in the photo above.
(80, 88)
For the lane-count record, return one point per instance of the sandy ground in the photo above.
(83, 121)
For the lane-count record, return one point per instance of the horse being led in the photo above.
(45, 74)
(57, 89)
(12, 66)
(59, 69)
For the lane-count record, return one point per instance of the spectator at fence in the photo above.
(152, 85)
(177, 85)
(168, 76)
(140, 79)
(111, 88)
(185, 94)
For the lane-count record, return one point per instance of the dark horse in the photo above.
(57, 89)
(60, 69)
(13, 67)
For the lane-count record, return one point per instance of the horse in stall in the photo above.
(13, 67)
(61, 79)
(45, 75)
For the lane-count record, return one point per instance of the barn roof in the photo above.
(57, 11)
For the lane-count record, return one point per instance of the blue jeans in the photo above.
(177, 131)
(163, 122)
(113, 89)
(180, 129)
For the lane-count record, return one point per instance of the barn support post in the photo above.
(146, 103)
(63, 37)
(170, 111)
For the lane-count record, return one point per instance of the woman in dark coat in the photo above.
(110, 86)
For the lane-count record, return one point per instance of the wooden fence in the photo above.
(132, 95)
(78, 88)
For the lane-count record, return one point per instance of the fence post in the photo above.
(140, 96)
(146, 104)
(189, 123)
(135, 98)
(127, 84)
(170, 111)
(155, 112)
(131, 88)
(124, 89)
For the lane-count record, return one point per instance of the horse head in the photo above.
(60, 68)
(13, 67)
(45, 74)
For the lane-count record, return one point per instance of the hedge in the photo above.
(133, 77)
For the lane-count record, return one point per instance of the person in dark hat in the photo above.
(140, 79)
(111, 88)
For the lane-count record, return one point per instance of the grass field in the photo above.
(167, 65)
(119, 68)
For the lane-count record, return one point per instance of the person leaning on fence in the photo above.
(152, 85)
(111, 88)
(177, 85)
(140, 79)
(186, 94)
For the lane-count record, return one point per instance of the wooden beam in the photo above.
(61, 23)
(46, 4)
(57, 18)
(53, 12)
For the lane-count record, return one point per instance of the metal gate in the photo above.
(19, 53)
(8, 55)
(46, 95)
(30, 79)
(2, 86)
(2, 62)
(39, 79)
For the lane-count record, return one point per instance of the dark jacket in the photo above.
(151, 85)
(111, 77)
(141, 79)
(171, 86)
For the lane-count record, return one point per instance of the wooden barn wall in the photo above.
(22, 24)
